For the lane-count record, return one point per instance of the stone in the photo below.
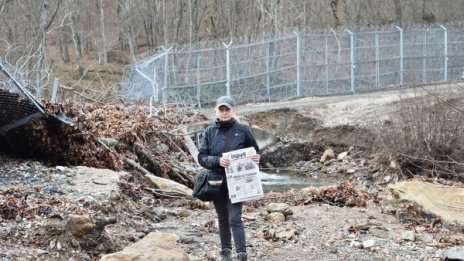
(42, 252)
(425, 237)
(183, 213)
(455, 253)
(156, 246)
(148, 201)
(6, 231)
(60, 168)
(275, 217)
(431, 197)
(387, 179)
(368, 243)
(409, 236)
(356, 244)
(283, 208)
(342, 156)
(169, 186)
(286, 235)
(160, 212)
(80, 225)
(350, 171)
(393, 164)
(327, 155)
(162, 148)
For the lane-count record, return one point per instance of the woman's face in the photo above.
(224, 113)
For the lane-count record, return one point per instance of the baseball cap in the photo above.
(226, 101)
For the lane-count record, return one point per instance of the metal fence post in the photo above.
(228, 66)
(424, 57)
(351, 58)
(198, 82)
(401, 54)
(55, 90)
(326, 61)
(155, 93)
(377, 60)
(445, 54)
(155, 87)
(166, 64)
(297, 63)
(268, 80)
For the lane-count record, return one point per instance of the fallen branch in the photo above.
(136, 166)
(163, 193)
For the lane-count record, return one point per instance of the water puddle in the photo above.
(283, 180)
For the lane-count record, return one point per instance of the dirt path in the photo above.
(359, 108)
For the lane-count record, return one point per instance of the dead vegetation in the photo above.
(425, 134)
(108, 136)
(342, 195)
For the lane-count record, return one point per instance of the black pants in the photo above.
(230, 218)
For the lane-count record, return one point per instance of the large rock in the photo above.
(156, 246)
(441, 200)
(92, 184)
(455, 253)
(283, 208)
(170, 186)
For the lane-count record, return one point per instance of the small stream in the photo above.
(283, 180)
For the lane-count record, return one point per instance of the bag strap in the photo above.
(230, 136)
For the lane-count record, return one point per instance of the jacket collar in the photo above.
(224, 124)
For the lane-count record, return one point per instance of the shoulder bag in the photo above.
(208, 184)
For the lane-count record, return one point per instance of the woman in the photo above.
(224, 135)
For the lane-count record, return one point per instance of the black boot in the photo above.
(242, 256)
(226, 254)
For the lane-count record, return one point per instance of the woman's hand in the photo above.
(224, 162)
(255, 158)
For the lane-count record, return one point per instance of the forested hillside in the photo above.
(78, 33)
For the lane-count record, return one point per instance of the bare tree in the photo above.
(63, 42)
(127, 26)
(86, 24)
(71, 7)
(102, 52)
(42, 48)
(399, 12)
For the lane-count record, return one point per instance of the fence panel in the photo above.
(455, 55)
(302, 65)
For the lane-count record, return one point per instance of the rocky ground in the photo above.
(82, 213)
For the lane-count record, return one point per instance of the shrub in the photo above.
(425, 132)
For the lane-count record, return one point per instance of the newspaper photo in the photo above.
(243, 176)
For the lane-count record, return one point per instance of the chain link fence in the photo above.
(301, 64)
(17, 105)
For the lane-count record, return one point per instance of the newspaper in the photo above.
(243, 176)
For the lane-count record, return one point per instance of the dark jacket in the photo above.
(215, 138)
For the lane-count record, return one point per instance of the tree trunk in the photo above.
(102, 52)
(43, 50)
(119, 11)
(64, 50)
(128, 27)
(86, 24)
(76, 37)
(180, 15)
(399, 13)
